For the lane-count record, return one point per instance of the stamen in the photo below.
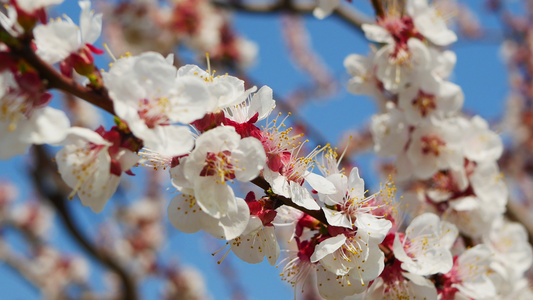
(344, 151)
(226, 254)
(208, 63)
(109, 52)
(225, 245)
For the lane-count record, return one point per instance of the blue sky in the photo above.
(479, 71)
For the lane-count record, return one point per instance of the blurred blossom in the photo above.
(34, 217)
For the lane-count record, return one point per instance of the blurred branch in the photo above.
(345, 12)
(19, 265)
(378, 7)
(43, 172)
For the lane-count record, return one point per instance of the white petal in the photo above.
(216, 199)
(333, 287)
(90, 24)
(327, 247)
(167, 140)
(262, 103)
(250, 159)
(340, 182)
(47, 125)
(56, 40)
(373, 227)
(356, 185)
(336, 218)
(185, 214)
(320, 184)
(301, 196)
(377, 33)
(230, 226)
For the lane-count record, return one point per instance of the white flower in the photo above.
(425, 249)
(220, 155)
(470, 273)
(472, 216)
(513, 255)
(400, 285)
(256, 243)
(85, 166)
(359, 252)
(480, 143)
(435, 99)
(398, 66)
(33, 217)
(364, 80)
(149, 97)
(433, 148)
(25, 121)
(366, 265)
(390, 132)
(225, 90)
(349, 206)
(489, 185)
(442, 63)
(294, 173)
(187, 216)
(31, 6)
(260, 104)
(57, 39)
(430, 22)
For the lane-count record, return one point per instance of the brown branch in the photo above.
(378, 7)
(19, 265)
(343, 11)
(55, 195)
(317, 214)
(53, 79)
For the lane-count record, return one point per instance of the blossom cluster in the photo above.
(446, 161)
(216, 137)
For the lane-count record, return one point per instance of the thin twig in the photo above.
(317, 214)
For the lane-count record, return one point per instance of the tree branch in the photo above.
(378, 7)
(343, 11)
(19, 265)
(317, 214)
(53, 79)
(43, 164)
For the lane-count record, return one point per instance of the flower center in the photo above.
(424, 103)
(219, 164)
(154, 112)
(432, 144)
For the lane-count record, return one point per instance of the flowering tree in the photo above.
(442, 224)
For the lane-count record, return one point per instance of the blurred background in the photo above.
(65, 251)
